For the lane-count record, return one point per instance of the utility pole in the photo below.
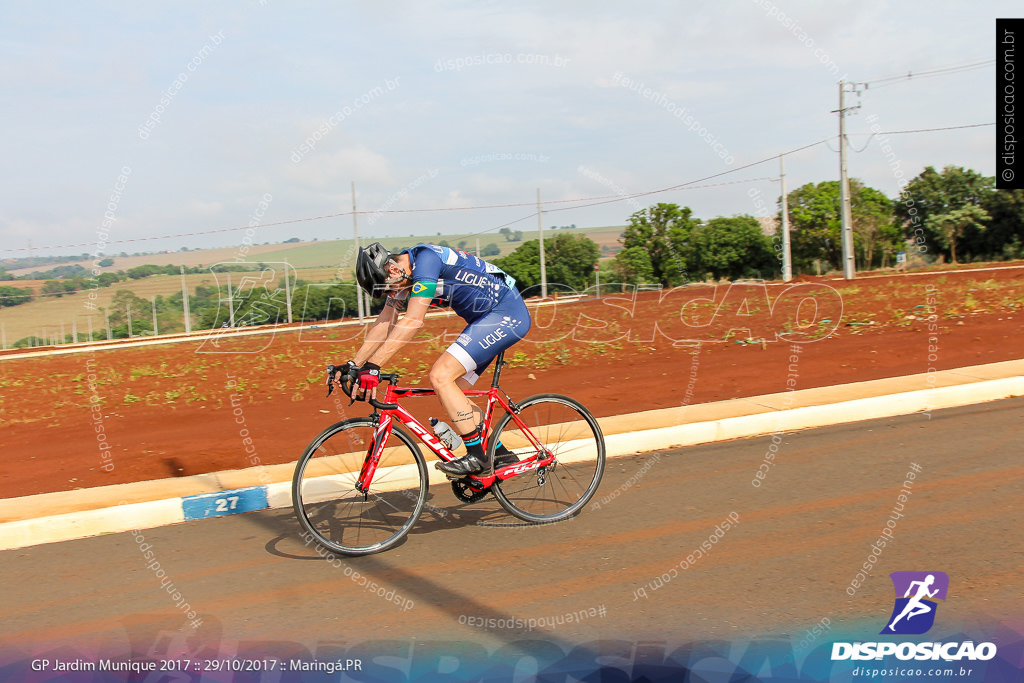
(128, 313)
(184, 301)
(287, 291)
(74, 330)
(89, 318)
(846, 215)
(231, 304)
(106, 316)
(543, 268)
(355, 238)
(155, 330)
(787, 257)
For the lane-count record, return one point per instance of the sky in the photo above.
(155, 126)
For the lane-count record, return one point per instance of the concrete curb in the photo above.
(33, 520)
(795, 419)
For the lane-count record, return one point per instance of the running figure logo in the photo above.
(914, 612)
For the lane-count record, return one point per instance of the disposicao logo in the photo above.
(914, 612)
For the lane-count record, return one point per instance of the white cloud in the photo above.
(323, 169)
(204, 209)
(78, 83)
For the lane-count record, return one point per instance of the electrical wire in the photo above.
(934, 72)
(923, 130)
(597, 201)
(594, 201)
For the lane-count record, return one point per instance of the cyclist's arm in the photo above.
(378, 332)
(403, 331)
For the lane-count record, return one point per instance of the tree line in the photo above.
(254, 301)
(75, 278)
(954, 215)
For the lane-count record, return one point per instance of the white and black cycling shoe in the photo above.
(460, 467)
(469, 464)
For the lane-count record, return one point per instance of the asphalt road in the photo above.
(786, 563)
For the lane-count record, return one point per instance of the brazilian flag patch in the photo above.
(426, 289)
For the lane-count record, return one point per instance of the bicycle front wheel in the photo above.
(559, 426)
(335, 512)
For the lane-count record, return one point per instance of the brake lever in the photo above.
(330, 379)
(349, 389)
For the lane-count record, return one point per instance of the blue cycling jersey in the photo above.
(479, 292)
(471, 286)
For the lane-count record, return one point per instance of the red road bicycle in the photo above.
(362, 483)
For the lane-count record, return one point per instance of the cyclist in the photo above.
(479, 292)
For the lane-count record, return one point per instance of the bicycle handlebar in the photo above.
(390, 378)
(381, 406)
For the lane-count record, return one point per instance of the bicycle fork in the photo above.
(373, 454)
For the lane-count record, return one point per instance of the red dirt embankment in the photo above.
(179, 409)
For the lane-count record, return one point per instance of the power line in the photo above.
(911, 74)
(686, 185)
(594, 201)
(946, 71)
(609, 198)
(925, 130)
(902, 132)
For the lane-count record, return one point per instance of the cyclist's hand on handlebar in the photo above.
(337, 373)
(368, 378)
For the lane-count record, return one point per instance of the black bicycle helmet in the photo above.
(371, 268)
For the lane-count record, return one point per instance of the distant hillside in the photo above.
(199, 257)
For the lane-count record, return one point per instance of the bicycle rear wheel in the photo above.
(340, 517)
(565, 430)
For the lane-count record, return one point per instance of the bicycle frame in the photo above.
(390, 411)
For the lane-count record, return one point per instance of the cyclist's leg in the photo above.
(448, 376)
(478, 345)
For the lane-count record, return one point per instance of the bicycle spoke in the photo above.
(343, 518)
(569, 434)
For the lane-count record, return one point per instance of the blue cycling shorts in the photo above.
(487, 336)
